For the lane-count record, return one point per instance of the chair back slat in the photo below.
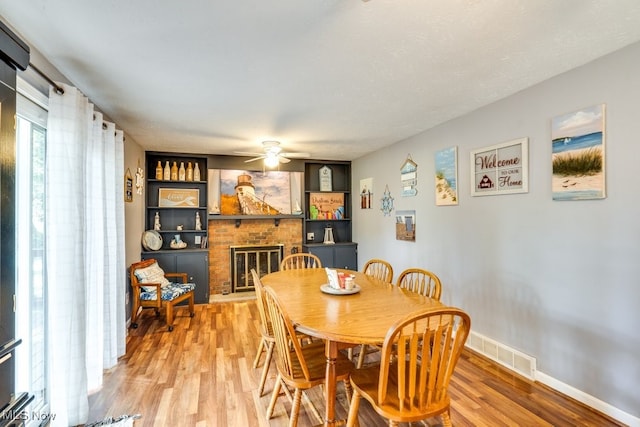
(299, 261)
(379, 269)
(421, 281)
(420, 353)
(265, 323)
(289, 356)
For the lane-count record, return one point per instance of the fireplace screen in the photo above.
(265, 260)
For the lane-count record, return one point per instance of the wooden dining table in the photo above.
(342, 320)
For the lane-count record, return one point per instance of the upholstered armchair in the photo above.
(148, 281)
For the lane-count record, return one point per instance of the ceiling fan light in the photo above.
(271, 160)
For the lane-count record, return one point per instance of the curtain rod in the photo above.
(59, 89)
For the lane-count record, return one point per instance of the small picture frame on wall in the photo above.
(128, 187)
(326, 178)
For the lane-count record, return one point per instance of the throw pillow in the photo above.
(151, 274)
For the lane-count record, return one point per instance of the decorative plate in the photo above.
(333, 291)
(151, 240)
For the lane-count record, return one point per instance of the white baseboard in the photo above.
(525, 365)
(588, 400)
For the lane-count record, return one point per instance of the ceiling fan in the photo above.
(273, 154)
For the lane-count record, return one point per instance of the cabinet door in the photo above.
(196, 265)
(346, 256)
(325, 253)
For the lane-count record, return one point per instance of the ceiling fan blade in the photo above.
(254, 159)
(247, 153)
(283, 159)
(296, 155)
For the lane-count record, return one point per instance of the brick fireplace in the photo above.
(224, 233)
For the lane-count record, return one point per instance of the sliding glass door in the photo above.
(30, 208)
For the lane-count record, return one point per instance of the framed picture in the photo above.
(500, 169)
(406, 225)
(447, 177)
(178, 197)
(244, 192)
(366, 192)
(326, 178)
(128, 187)
(577, 145)
(326, 206)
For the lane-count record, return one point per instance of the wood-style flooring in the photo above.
(201, 375)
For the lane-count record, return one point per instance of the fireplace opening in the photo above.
(264, 259)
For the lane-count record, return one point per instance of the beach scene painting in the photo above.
(446, 177)
(578, 140)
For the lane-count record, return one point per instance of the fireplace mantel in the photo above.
(238, 218)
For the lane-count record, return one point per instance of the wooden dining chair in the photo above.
(299, 261)
(267, 340)
(420, 281)
(419, 355)
(379, 269)
(299, 367)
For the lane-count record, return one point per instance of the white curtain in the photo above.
(86, 280)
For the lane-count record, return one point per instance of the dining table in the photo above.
(343, 319)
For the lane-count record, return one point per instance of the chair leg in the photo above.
(363, 352)
(352, 419)
(192, 309)
(348, 390)
(265, 368)
(295, 408)
(446, 418)
(170, 316)
(256, 361)
(274, 396)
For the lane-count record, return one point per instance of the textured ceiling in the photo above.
(334, 78)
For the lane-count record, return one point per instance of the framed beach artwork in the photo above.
(501, 168)
(447, 177)
(577, 141)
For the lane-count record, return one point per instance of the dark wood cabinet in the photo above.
(338, 255)
(194, 263)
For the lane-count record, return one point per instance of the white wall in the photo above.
(559, 281)
(133, 212)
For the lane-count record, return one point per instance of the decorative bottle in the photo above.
(174, 171)
(198, 222)
(159, 171)
(189, 172)
(196, 173)
(167, 172)
(181, 172)
(156, 222)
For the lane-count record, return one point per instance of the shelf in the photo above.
(238, 218)
(174, 208)
(181, 231)
(162, 181)
(327, 220)
(175, 251)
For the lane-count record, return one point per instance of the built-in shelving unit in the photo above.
(177, 208)
(326, 184)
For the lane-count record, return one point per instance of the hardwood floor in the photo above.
(201, 375)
